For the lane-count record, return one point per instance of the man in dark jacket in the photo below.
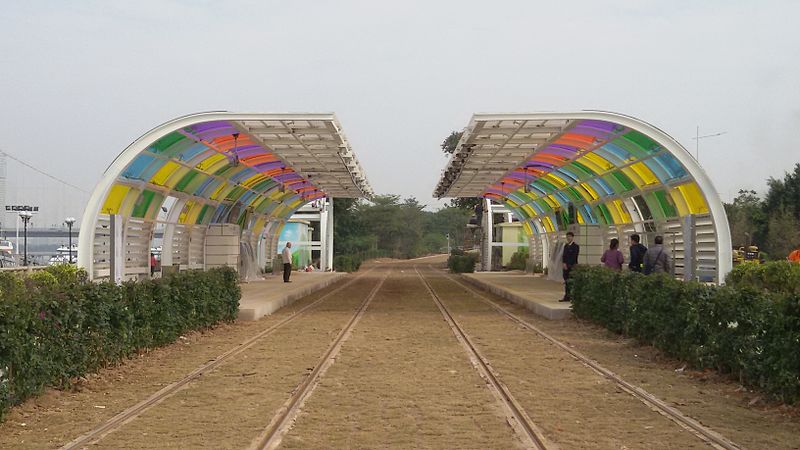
(569, 259)
(637, 254)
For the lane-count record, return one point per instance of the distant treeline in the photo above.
(387, 225)
(773, 222)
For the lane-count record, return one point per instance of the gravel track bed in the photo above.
(574, 406)
(402, 381)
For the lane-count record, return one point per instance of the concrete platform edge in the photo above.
(267, 308)
(536, 308)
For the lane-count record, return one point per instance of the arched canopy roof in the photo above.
(611, 168)
(227, 168)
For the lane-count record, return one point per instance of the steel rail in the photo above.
(114, 423)
(282, 421)
(518, 418)
(706, 434)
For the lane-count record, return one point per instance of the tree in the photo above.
(784, 194)
(747, 219)
(783, 235)
(451, 142)
(448, 147)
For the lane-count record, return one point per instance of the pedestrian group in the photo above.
(642, 259)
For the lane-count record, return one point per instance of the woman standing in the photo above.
(612, 257)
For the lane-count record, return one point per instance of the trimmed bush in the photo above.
(774, 276)
(56, 325)
(461, 263)
(346, 263)
(742, 329)
(519, 260)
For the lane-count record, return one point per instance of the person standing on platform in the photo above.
(287, 262)
(153, 263)
(612, 257)
(637, 254)
(569, 259)
(656, 260)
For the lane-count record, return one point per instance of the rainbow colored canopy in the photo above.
(608, 168)
(247, 169)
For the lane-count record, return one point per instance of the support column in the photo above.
(689, 241)
(327, 246)
(117, 261)
(488, 229)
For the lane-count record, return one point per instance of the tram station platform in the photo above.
(264, 297)
(535, 293)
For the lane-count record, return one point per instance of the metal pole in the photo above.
(69, 225)
(25, 238)
(697, 144)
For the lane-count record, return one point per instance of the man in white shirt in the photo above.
(287, 262)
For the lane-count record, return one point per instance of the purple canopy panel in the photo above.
(265, 167)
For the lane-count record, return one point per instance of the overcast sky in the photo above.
(80, 80)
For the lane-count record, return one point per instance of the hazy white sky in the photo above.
(80, 80)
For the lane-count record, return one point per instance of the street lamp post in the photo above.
(697, 138)
(26, 217)
(70, 221)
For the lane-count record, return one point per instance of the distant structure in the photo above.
(600, 175)
(2, 187)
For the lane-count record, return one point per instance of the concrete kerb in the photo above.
(254, 309)
(530, 304)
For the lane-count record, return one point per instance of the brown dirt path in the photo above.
(228, 407)
(714, 400)
(401, 381)
(574, 406)
(56, 417)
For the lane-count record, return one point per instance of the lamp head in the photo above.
(69, 221)
(25, 215)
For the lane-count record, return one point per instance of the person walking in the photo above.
(637, 254)
(569, 259)
(612, 257)
(287, 262)
(656, 260)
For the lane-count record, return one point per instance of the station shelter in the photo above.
(599, 174)
(219, 187)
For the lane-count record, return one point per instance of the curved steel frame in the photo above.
(271, 225)
(456, 164)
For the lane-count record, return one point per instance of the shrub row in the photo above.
(748, 332)
(519, 260)
(346, 263)
(461, 263)
(56, 325)
(776, 276)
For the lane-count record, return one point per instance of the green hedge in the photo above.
(56, 324)
(749, 332)
(775, 276)
(519, 260)
(346, 263)
(461, 263)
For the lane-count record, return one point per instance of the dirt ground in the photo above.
(715, 401)
(401, 381)
(56, 417)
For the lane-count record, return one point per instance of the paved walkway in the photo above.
(536, 293)
(263, 297)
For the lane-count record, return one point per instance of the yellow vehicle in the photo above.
(746, 254)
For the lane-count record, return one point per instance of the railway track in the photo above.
(704, 433)
(129, 414)
(530, 434)
(271, 437)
